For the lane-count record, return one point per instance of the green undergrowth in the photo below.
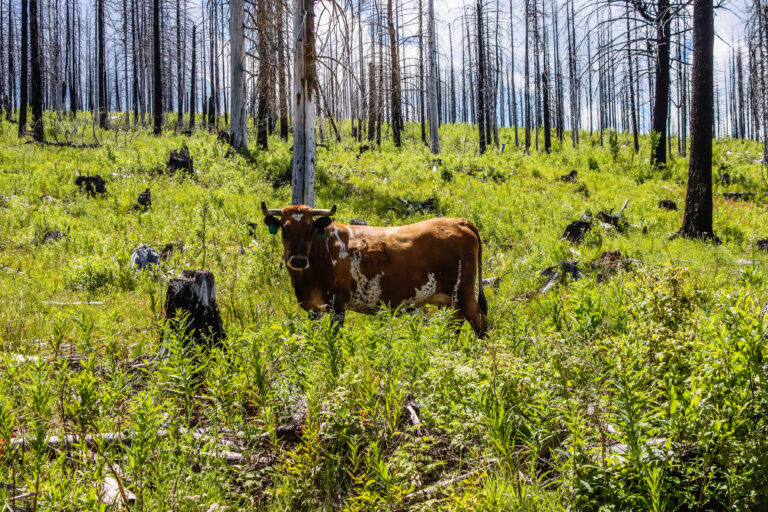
(642, 388)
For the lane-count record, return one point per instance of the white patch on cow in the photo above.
(455, 294)
(424, 293)
(297, 216)
(367, 295)
(343, 254)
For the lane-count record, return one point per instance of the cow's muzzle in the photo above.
(298, 262)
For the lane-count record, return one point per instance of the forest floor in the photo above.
(639, 385)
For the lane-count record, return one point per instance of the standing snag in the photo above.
(191, 299)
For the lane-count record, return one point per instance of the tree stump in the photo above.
(91, 185)
(144, 200)
(193, 294)
(144, 255)
(668, 204)
(180, 161)
(575, 231)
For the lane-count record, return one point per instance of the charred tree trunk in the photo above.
(191, 301)
(697, 220)
(661, 96)
(631, 78)
(481, 93)
(101, 66)
(396, 107)
(263, 83)
(11, 69)
(24, 78)
(157, 94)
(527, 98)
(193, 80)
(434, 139)
(36, 79)
(283, 99)
(545, 92)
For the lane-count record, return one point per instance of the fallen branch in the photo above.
(437, 489)
(76, 303)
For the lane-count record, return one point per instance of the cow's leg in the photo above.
(471, 311)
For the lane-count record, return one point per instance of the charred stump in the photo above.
(576, 230)
(191, 298)
(668, 204)
(144, 200)
(180, 161)
(91, 185)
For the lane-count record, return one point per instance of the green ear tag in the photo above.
(272, 229)
(321, 234)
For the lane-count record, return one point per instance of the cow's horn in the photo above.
(325, 212)
(266, 212)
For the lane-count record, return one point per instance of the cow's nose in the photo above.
(298, 262)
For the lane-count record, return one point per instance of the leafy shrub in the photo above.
(93, 274)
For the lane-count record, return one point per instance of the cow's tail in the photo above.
(481, 300)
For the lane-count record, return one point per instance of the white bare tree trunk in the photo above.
(303, 186)
(237, 44)
(434, 140)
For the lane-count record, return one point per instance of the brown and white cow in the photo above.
(335, 267)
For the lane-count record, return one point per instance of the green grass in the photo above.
(645, 392)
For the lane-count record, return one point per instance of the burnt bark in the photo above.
(36, 78)
(157, 95)
(23, 79)
(697, 219)
(191, 301)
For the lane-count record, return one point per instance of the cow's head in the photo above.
(300, 228)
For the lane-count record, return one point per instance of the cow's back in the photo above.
(405, 265)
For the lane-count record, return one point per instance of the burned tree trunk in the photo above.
(23, 80)
(263, 81)
(697, 220)
(481, 112)
(191, 300)
(397, 115)
(36, 80)
(282, 100)
(101, 65)
(157, 94)
(661, 96)
(192, 80)
(434, 140)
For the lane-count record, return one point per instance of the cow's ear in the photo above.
(272, 223)
(320, 224)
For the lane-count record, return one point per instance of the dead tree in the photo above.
(263, 81)
(434, 139)
(36, 78)
(24, 78)
(303, 182)
(283, 98)
(481, 93)
(697, 219)
(396, 95)
(157, 93)
(239, 139)
(101, 66)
